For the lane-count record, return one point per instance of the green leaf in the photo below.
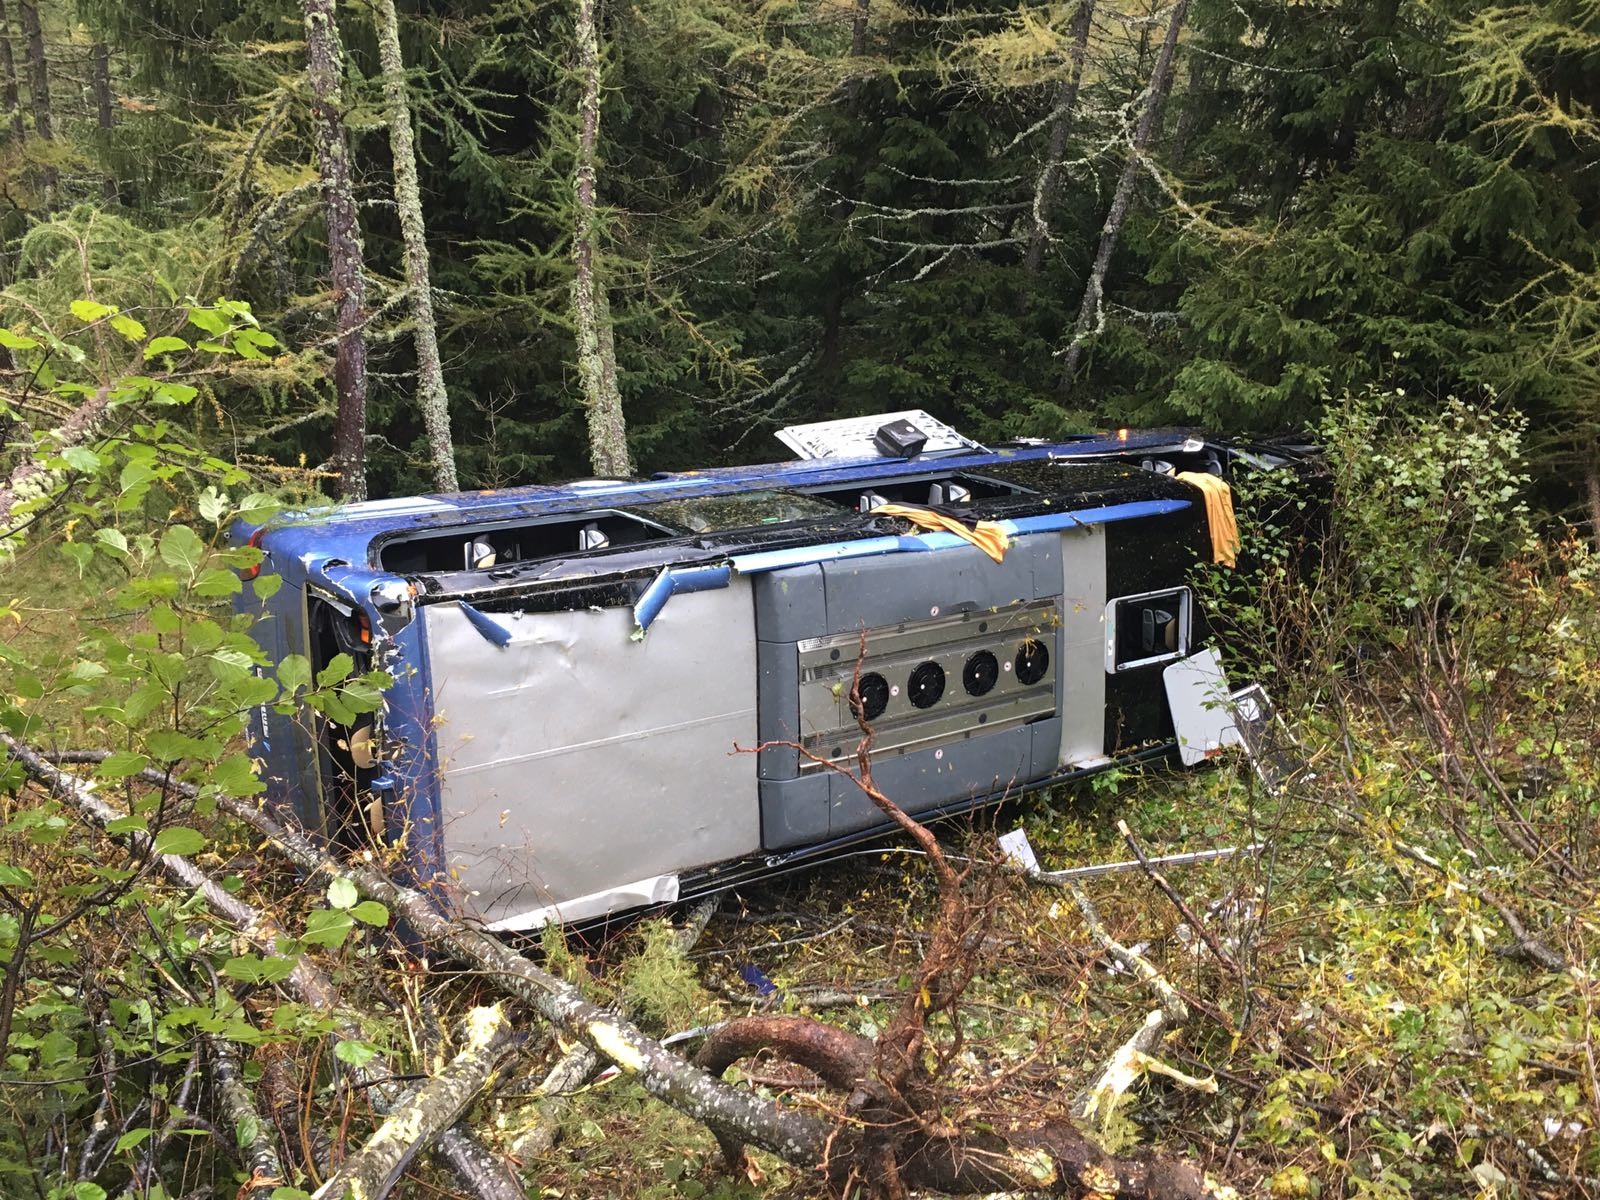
(258, 507)
(252, 968)
(236, 776)
(216, 583)
(83, 1190)
(370, 912)
(113, 540)
(133, 824)
(327, 927)
(240, 558)
(337, 670)
(168, 745)
(81, 458)
(132, 1138)
(87, 671)
(209, 320)
(164, 620)
(15, 876)
(246, 1130)
(16, 341)
(135, 478)
(266, 586)
(121, 764)
(180, 839)
(165, 345)
(80, 554)
(128, 327)
(357, 1054)
(342, 893)
(175, 393)
(182, 548)
(213, 505)
(293, 672)
(89, 311)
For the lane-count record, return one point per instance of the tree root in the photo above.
(1051, 1156)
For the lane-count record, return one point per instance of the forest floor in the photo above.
(1376, 1038)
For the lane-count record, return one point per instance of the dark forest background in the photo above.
(821, 209)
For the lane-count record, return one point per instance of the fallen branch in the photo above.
(1135, 1056)
(1178, 902)
(259, 1153)
(417, 1119)
(581, 1062)
(479, 1172)
(795, 1137)
(1054, 1156)
(893, 1133)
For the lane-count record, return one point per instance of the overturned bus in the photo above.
(614, 693)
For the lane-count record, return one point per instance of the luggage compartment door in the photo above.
(582, 769)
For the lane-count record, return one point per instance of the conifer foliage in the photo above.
(643, 236)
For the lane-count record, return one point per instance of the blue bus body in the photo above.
(614, 693)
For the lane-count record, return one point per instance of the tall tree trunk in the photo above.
(325, 65)
(39, 89)
(1089, 311)
(104, 117)
(10, 97)
(38, 69)
(431, 395)
(591, 311)
(1591, 479)
(858, 29)
(1044, 196)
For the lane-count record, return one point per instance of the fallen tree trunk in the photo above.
(795, 1137)
(1052, 1156)
(427, 1112)
(260, 1156)
(575, 1068)
(480, 1173)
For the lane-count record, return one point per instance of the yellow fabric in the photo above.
(1219, 515)
(985, 535)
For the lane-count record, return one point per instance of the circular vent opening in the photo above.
(873, 691)
(926, 685)
(980, 673)
(1033, 660)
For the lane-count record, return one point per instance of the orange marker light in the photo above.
(1122, 435)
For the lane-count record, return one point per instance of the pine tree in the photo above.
(591, 308)
(325, 65)
(1090, 316)
(1061, 118)
(431, 395)
(10, 98)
